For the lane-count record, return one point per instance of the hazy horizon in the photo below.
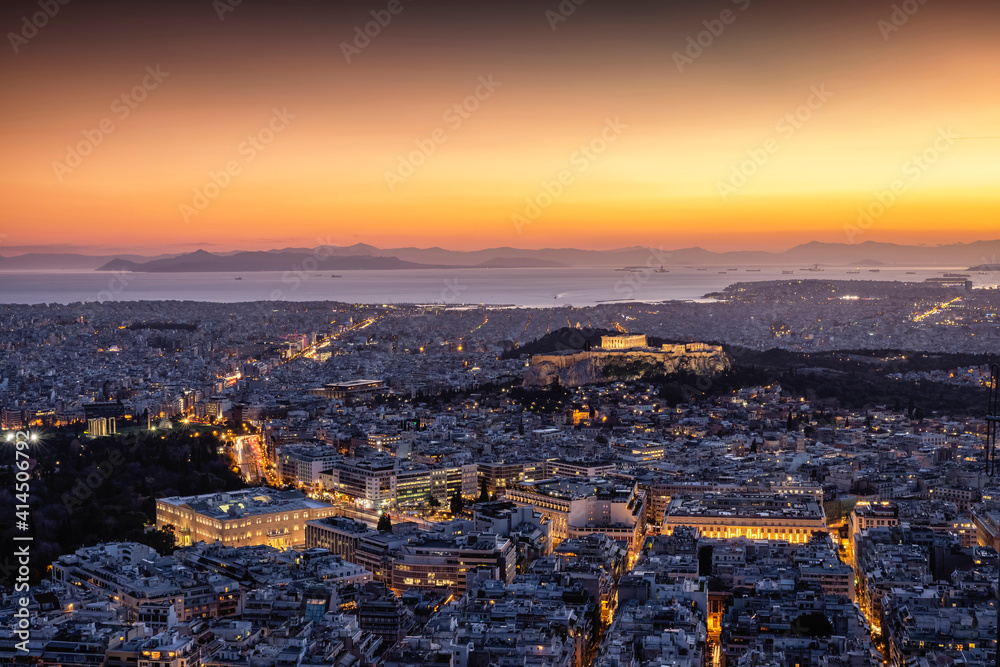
(91, 251)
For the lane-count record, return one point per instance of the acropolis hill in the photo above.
(624, 357)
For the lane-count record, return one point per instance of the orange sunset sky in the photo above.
(894, 89)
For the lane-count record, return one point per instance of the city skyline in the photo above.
(528, 125)
(566, 333)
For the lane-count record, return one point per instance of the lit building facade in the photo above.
(986, 520)
(416, 483)
(241, 518)
(624, 342)
(101, 426)
(756, 517)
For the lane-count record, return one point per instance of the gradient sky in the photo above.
(322, 178)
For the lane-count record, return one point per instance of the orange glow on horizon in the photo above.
(647, 155)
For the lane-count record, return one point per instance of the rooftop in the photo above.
(246, 502)
(761, 506)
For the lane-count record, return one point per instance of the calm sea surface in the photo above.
(519, 287)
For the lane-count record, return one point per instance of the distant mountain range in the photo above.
(201, 260)
(366, 257)
(317, 259)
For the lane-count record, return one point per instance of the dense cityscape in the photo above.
(297, 484)
(557, 333)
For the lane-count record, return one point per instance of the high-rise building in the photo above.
(416, 483)
(357, 543)
(579, 506)
(434, 561)
(302, 463)
(370, 483)
(12, 418)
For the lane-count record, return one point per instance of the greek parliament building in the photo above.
(757, 517)
(578, 506)
(242, 518)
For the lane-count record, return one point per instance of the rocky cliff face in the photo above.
(581, 368)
